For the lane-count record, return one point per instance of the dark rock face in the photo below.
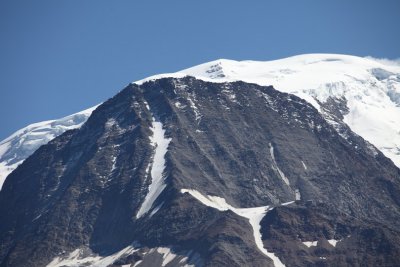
(251, 145)
(286, 228)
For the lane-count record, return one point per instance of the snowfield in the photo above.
(21, 144)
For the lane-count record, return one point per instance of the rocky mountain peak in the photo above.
(183, 171)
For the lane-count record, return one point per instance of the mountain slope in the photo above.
(361, 93)
(370, 89)
(202, 173)
(21, 144)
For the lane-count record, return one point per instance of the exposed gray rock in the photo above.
(249, 144)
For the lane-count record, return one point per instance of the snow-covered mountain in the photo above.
(21, 144)
(368, 91)
(186, 172)
(370, 87)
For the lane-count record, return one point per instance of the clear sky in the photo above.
(60, 57)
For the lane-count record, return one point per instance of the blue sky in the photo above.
(60, 57)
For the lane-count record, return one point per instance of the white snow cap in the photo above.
(370, 86)
(21, 144)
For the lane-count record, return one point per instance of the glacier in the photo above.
(21, 144)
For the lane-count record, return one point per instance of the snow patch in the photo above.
(85, 257)
(304, 165)
(230, 94)
(275, 166)
(333, 242)
(168, 256)
(160, 143)
(254, 215)
(6, 169)
(80, 257)
(192, 98)
(154, 211)
(287, 203)
(114, 162)
(310, 243)
(179, 105)
(298, 195)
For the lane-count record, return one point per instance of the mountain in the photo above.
(362, 93)
(181, 171)
(366, 91)
(21, 144)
